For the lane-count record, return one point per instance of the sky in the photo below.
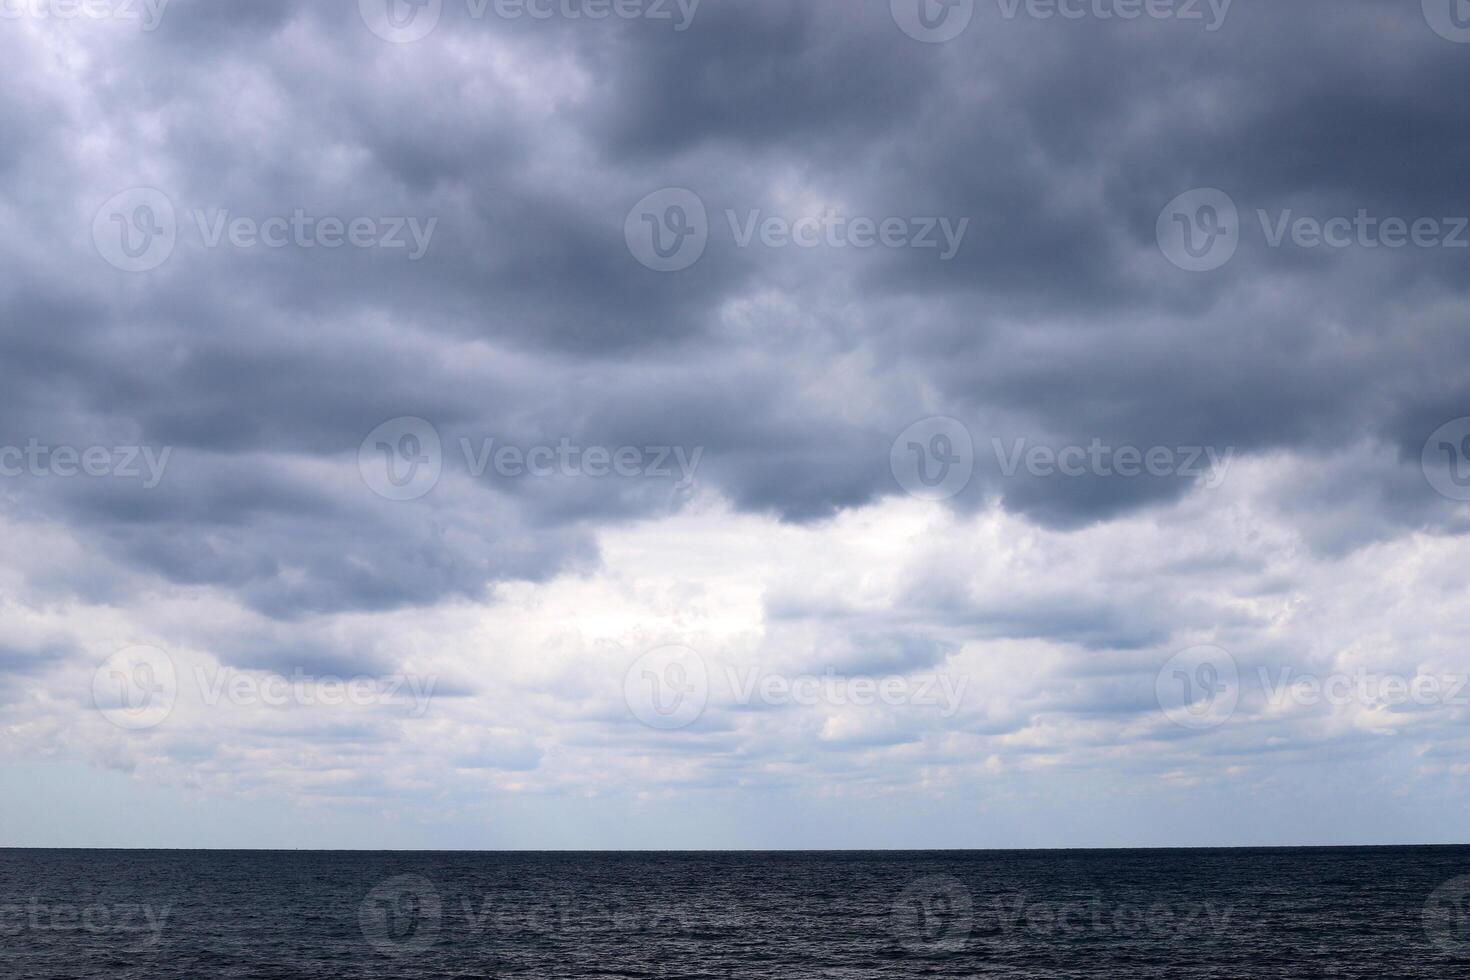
(759, 424)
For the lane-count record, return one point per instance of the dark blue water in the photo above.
(1352, 912)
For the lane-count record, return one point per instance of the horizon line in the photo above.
(744, 850)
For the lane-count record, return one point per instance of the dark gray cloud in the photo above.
(527, 320)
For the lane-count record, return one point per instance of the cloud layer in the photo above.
(431, 412)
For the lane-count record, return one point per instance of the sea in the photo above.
(1371, 912)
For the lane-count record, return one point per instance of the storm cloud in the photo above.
(511, 342)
